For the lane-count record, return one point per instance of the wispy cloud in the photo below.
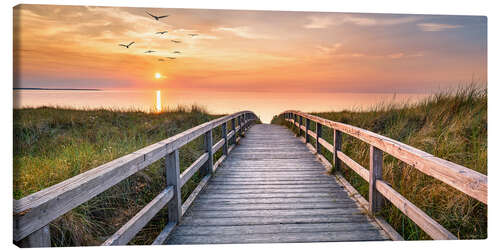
(400, 55)
(329, 49)
(437, 26)
(242, 31)
(321, 22)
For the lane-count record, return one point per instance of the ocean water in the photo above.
(264, 104)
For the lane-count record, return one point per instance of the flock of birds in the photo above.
(157, 18)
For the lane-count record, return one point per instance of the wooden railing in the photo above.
(465, 180)
(33, 213)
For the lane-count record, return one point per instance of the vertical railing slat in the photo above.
(224, 135)
(308, 123)
(173, 179)
(337, 146)
(318, 135)
(376, 162)
(39, 238)
(208, 168)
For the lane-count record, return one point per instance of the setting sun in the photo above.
(157, 75)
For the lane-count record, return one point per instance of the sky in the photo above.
(246, 51)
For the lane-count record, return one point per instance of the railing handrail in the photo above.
(35, 211)
(464, 179)
(468, 181)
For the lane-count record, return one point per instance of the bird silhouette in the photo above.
(169, 57)
(156, 17)
(161, 32)
(175, 41)
(126, 45)
(176, 52)
(193, 35)
(149, 51)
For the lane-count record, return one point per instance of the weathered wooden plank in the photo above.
(160, 239)
(426, 223)
(360, 170)
(218, 162)
(273, 213)
(218, 145)
(173, 179)
(274, 206)
(39, 238)
(189, 172)
(282, 238)
(268, 195)
(464, 179)
(195, 193)
(274, 220)
(274, 190)
(208, 167)
(273, 229)
(225, 138)
(272, 200)
(134, 225)
(376, 161)
(218, 186)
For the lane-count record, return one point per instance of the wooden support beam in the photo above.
(39, 238)
(318, 136)
(376, 162)
(224, 136)
(174, 180)
(233, 128)
(207, 169)
(308, 124)
(337, 146)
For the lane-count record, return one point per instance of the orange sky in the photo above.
(77, 47)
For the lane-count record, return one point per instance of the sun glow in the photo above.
(157, 75)
(158, 100)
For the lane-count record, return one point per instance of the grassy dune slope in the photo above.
(450, 125)
(54, 144)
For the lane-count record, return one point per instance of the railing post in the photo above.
(300, 124)
(376, 162)
(241, 127)
(233, 128)
(39, 238)
(337, 146)
(308, 123)
(224, 135)
(173, 179)
(209, 165)
(318, 135)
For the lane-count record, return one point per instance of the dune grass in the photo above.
(451, 125)
(52, 144)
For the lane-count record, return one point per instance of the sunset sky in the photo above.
(254, 51)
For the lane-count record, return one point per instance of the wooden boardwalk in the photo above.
(273, 189)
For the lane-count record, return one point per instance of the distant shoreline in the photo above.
(55, 89)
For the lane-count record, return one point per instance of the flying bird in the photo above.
(126, 45)
(149, 51)
(193, 35)
(175, 41)
(161, 32)
(176, 52)
(169, 57)
(156, 17)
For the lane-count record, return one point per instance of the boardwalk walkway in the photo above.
(273, 189)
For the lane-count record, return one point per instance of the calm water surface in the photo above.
(264, 105)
